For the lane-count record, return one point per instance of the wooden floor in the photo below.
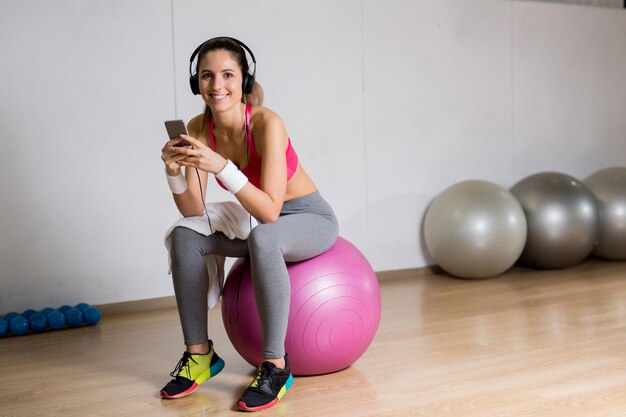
(528, 343)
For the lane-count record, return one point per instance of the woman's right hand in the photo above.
(171, 156)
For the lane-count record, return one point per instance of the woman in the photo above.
(246, 147)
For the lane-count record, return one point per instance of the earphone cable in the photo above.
(202, 197)
(217, 267)
(219, 278)
(247, 122)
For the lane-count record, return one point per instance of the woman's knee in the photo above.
(179, 236)
(263, 238)
(185, 241)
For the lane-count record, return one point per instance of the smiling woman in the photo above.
(250, 88)
(247, 148)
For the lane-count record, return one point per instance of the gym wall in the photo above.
(387, 104)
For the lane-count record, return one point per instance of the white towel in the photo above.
(227, 217)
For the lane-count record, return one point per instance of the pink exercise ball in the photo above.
(333, 317)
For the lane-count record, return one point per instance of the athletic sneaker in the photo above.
(267, 388)
(191, 371)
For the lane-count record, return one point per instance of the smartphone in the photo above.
(175, 128)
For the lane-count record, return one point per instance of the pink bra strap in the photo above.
(211, 138)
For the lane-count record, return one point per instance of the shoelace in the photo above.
(263, 374)
(182, 363)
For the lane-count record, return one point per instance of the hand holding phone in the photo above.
(175, 128)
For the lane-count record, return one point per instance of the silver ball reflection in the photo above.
(609, 187)
(475, 229)
(562, 219)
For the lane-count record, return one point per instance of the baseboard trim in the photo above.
(409, 273)
(137, 306)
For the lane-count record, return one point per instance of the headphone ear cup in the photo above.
(193, 83)
(248, 83)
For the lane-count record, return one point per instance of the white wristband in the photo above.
(178, 184)
(233, 179)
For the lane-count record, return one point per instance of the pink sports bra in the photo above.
(253, 169)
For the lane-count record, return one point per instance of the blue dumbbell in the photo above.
(74, 317)
(56, 320)
(82, 306)
(4, 327)
(10, 315)
(19, 325)
(38, 322)
(47, 311)
(92, 315)
(64, 308)
(28, 313)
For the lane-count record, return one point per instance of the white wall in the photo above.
(85, 89)
(438, 111)
(387, 103)
(597, 3)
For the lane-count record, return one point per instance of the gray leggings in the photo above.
(307, 227)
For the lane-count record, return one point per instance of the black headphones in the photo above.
(248, 79)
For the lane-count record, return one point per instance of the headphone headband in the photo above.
(248, 79)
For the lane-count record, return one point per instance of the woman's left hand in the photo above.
(201, 156)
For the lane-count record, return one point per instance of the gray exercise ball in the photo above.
(562, 220)
(475, 229)
(609, 187)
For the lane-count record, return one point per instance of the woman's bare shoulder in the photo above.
(266, 118)
(194, 127)
(268, 129)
